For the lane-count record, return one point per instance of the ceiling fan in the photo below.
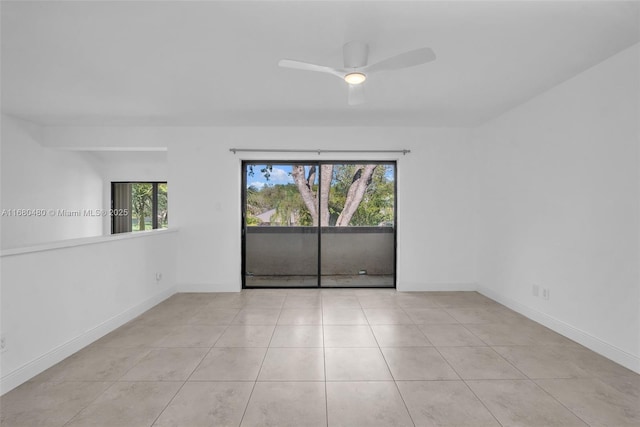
(356, 70)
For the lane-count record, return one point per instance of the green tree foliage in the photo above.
(375, 209)
(285, 199)
(141, 202)
(255, 205)
(163, 206)
(377, 205)
(289, 207)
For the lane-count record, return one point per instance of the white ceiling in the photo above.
(215, 63)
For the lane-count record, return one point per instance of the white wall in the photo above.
(81, 292)
(435, 239)
(558, 207)
(434, 220)
(35, 177)
(59, 298)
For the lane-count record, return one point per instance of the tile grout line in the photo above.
(175, 327)
(468, 387)
(214, 344)
(168, 403)
(463, 379)
(324, 361)
(89, 404)
(146, 352)
(464, 325)
(244, 413)
(557, 400)
(480, 400)
(527, 377)
(195, 369)
(395, 383)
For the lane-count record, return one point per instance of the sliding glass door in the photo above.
(310, 224)
(358, 231)
(280, 234)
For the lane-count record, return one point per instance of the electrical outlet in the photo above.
(535, 290)
(545, 293)
(3, 343)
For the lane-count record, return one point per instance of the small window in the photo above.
(138, 206)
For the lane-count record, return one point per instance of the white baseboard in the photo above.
(435, 287)
(29, 370)
(594, 343)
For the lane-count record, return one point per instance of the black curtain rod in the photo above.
(318, 151)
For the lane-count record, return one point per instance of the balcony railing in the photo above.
(275, 251)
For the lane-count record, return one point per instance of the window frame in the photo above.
(154, 204)
(244, 226)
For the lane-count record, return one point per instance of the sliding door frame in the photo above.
(243, 210)
(317, 164)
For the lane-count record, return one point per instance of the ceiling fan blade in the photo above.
(404, 60)
(305, 66)
(356, 94)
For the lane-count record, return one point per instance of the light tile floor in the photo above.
(338, 357)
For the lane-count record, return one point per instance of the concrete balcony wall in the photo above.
(276, 251)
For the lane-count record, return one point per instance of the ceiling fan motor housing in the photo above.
(355, 54)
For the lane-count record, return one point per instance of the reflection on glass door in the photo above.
(280, 225)
(358, 225)
(320, 220)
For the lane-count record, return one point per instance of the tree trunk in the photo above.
(325, 187)
(305, 189)
(311, 177)
(355, 194)
(141, 224)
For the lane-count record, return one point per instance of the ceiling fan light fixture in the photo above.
(355, 78)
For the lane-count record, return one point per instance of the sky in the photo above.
(280, 174)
